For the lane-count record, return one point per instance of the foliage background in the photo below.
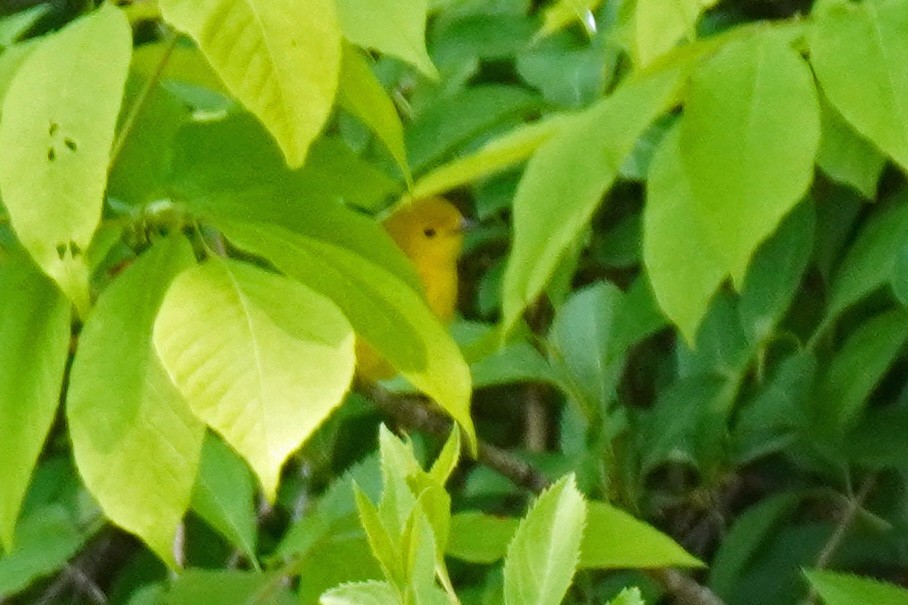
(686, 287)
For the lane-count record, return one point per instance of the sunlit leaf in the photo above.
(613, 539)
(34, 343)
(280, 58)
(360, 93)
(134, 437)
(859, 52)
(393, 28)
(846, 589)
(564, 183)
(682, 269)
(386, 311)
(261, 359)
(58, 124)
(748, 138)
(543, 555)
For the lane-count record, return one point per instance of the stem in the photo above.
(136, 109)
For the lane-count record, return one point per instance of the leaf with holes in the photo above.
(58, 124)
(261, 359)
(134, 437)
(280, 58)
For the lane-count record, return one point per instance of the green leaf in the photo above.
(748, 138)
(225, 158)
(134, 437)
(34, 346)
(750, 530)
(877, 440)
(447, 459)
(846, 589)
(682, 268)
(386, 311)
(614, 539)
(140, 170)
(859, 52)
(360, 93)
(659, 25)
(775, 273)
(14, 26)
(224, 496)
(280, 58)
(261, 359)
(583, 345)
(869, 262)
(58, 124)
(229, 587)
(544, 552)
(899, 277)
(628, 596)
(46, 539)
(569, 73)
(687, 424)
(846, 156)
(562, 13)
(453, 122)
(381, 541)
(392, 28)
(564, 183)
(778, 410)
(362, 593)
(344, 557)
(858, 366)
(480, 538)
(496, 155)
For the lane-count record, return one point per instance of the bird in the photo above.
(429, 232)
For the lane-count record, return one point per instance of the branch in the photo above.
(414, 414)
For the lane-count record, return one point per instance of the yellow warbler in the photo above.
(430, 233)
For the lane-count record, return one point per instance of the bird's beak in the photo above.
(466, 224)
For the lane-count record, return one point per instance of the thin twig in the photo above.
(139, 103)
(835, 540)
(415, 415)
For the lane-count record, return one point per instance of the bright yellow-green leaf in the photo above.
(660, 24)
(280, 58)
(681, 267)
(859, 52)
(34, 344)
(384, 309)
(391, 27)
(543, 555)
(496, 155)
(847, 589)
(563, 13)
(261, 359)
(748, 139)
(58, 124)
(362, 94)
(565, 180)
(614, 539)
(134, 437)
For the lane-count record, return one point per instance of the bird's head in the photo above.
(429, 231)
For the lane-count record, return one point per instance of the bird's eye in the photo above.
(429, 232)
